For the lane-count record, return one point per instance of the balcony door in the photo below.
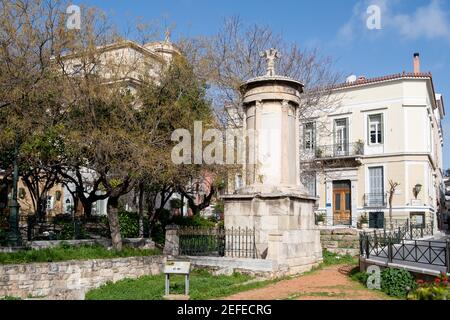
(376, 187)
(342, 203)
(340, 137)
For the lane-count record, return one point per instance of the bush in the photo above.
(396, 282)
(359, 276)
(69, 229)
(129, 224)
(438, 290)
(176, 203)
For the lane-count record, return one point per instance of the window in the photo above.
(341, 136)
(376, 186)
(309, 134)
(418, 219)
(238, 182)
(309, 181)
(376, 220)
(375, 129)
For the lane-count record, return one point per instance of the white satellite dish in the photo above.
(351, 79)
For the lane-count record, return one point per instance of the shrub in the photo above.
(176, 203)
(68, 231)
(396, 282)
(129, 224)
(437, 290)
(359, 276)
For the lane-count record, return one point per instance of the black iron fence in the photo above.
(220, 242)
(64, 229)
(337, 150)
(401, 245)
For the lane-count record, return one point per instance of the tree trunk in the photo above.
(141, 210)
(87, 208)
(391, 195)
(113, 219)
(41, 208)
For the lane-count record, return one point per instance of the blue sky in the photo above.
(337, 28)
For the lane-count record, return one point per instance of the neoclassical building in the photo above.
(384, 130)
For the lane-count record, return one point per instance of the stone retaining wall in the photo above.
(72, 279)
(340, 241)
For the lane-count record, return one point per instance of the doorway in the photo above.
(342, 203)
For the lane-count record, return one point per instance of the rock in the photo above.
(345, 231)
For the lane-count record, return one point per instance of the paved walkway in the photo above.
(330, 283)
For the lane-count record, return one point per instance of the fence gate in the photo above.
(218, 242)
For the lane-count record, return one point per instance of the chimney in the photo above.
(416, 63)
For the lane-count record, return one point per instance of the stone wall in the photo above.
(341, 241)
(72, 279)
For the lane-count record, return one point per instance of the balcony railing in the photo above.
(375, 200)
(339, 150)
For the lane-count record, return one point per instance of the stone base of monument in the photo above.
(176, 297)
(284, 225)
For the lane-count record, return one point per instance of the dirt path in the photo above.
(330, 283)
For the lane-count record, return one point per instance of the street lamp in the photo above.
(417, 189)
(14, 238)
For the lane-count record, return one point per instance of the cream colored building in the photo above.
(383, 129)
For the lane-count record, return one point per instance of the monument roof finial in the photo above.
(271, 55)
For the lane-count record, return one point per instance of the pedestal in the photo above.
(284, 225)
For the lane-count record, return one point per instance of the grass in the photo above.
(65, 252)
(203, 286)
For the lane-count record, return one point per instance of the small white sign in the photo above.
(416, 203)
(177, 267)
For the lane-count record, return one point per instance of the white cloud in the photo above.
(430, 21)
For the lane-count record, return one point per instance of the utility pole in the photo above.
(14, 238)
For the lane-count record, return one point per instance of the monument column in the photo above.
(273, 201)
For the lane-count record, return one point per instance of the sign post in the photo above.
(181, 268)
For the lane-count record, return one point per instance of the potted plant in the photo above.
(364, 222)
(320, 219)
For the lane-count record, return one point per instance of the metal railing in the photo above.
(375, 200)
(337, 150)
(220, 242)
(401, 245)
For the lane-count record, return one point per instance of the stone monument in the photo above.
(273, 201)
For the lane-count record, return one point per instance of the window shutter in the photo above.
(314, 136)
(382, 128)
(304, 136)
(368, 130)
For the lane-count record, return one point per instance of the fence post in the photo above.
(448, 256)
(367, 246)
(172, 243)
(421, 231)
(411, 231)
(390, 258)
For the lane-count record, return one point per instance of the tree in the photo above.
(392, 188)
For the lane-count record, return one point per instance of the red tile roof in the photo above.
(364, 81)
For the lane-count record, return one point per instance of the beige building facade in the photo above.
(384, 130)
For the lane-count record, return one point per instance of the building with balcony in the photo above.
(382, 131)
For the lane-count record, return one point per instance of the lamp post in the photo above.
(14, 238)
(417, 189)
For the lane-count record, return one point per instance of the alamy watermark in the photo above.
(230, 146)
(74, 17)
(373, 21)
(374, 279)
